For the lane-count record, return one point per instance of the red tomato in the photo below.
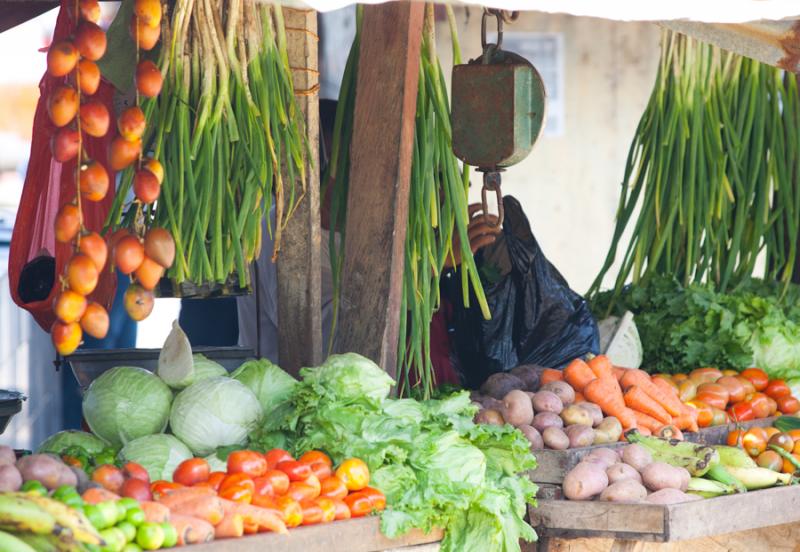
(328, 508)
(704, 375)
(761, 406)
(264, 501)
(136, 488)
(314, 456)
(312, 481)
(321, 470)
(354, 473)
(342, 511)
(720, 395)
(333, 487)
(705, 413)
(301, 492)
(291, 510)
(312, 512)
(757, 377)
(110, 477)
(295, 470)
(241, 492)
(247, 461)
(132, 470)
(773, 406)
(741, 412)
(278, 480)
(215, 479)
(777, 388)
(276, 456)
(748, 385)
(788, 405)
(736, 389)
(263, 486)
(160, 488)
(376, 498)
(359, 504)
(191, 471)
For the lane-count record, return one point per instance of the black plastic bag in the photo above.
(536, 317)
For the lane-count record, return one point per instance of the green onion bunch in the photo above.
(713, 172)
(228, 131)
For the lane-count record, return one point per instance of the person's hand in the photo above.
(482, 231)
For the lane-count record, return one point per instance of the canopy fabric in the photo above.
(710, 11)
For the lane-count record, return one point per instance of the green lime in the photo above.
(108, 510)
(91, 548)
(170, 535)
(132, 547)
(135, 516)
(114, 539)
(122, 511)
(64, 492)
(73, 501)
(128, 502)
(150, 536)
(34, 487)
(105, 457)
(128, 529)
(95, 516)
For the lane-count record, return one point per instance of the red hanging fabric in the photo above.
(48, 186)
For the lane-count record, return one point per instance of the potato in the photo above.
(637, 456)
(7, 455)
(529, 374)
(594, 411)
(621, 471)
(43, 468)
(547, 401)
(585, 481)
(626, 490)
(555, 438)
(580, 435)
(490, 403)
(660, 475)
(68, 477)
(608, 431)
(562, 389)
(685, 478)
(517, 409)
(670, 496)
(609, 457)
(543, 420)
(489, 417)
(576, 415)
(10, 478)
(498, 385)
(533, 435)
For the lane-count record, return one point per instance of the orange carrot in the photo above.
(250, 528)
(687, 421)
(619, 372)
(637, 399)
(669, 432)
(645, 431)
(641, 379)
(601, 367)
(578, 374)
(154, 512)
(643, 420)
(606, 394)
(265, 518)
(192, 530)
(208, 508)
(95, 495)
(185, 494)
(579, 398)
(665, 386)
(550, 375)
(231, 527)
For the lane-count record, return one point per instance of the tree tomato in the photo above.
(741, 412)
(757, 377)
(773, 406)
(312, 512)
(314, 456)
(720, 417)
(735, 388)
(755, 441)
(359, 504)
(191, 471)
(342, 511)
(333, 487)
(313, 481)
(140, 490)
(301, 492)
(328, 508)
(132, 470)
(705, 414)
(782, 440)
(735, 438)
(788, 405)
(278, 480)
(354, 473)
(761, 406)
(376, 498)
(713, 394)
(110, 477)
(777, 388)
(771, 460)
(749, 388)
(321, 470)
(704, 375)
(276, 456)
(788, 467)
(296, 471)
(247, 461)
(772, 431)
(291, 510)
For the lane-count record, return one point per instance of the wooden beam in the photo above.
(17, 13)
(380, 161)
(299, 288)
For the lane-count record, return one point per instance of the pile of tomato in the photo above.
(724, 396)
(305, 491)
(761, 444)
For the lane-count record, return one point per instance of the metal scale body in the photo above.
(498, 109)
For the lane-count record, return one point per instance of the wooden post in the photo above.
(377, 206)
(299, 289)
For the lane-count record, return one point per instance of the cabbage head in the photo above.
(63, 440)
(126, 403)
(271, 385)
(205, 368)
(159, 454)
(214, 412)
(349, 377)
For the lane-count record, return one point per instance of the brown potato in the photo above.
(555, 438)
(637, 456)
(543, 420)
(608, 431)
(594, 411)
(7, 455)
(562, 389)
(491, 417)
(660, 475)
(626, 490)
(10, 478)
(529, 375)
(574, 414)
(547, 401)
(607, 455)
(533, 435)
(517, 409)
(498, 385)
(580, 435)
(585, 481)
(43, 468)
(621, 471)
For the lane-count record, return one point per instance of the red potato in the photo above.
(543, 420)
(608, 456)
(517, 409)
(637, 456)
(660, 475)
(7, 455)
(621, 471)
(555, 438)
(10, 478)
(547, 401)
(533, 435)
(562, 390)
(626, 490)
(584, 481)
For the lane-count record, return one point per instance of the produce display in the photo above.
(776, 448)
(661, 471)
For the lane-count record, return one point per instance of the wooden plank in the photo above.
(355, 535)
(299, 271)
(377, 206)
(560, 518)
(718, 435)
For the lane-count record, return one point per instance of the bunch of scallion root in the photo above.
(438, 209)
(713, 171)
(229, 134)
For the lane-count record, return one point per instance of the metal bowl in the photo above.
(88, 365)
(10, 404)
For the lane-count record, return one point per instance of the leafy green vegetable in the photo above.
(271, 385)
(349, 377)
(205, 368)
(58, 443)
(686, 328)
(159, 454)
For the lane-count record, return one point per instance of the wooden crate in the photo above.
(355, 535)
(675, 522)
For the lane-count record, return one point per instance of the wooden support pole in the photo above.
(380, 161)
(299, 288)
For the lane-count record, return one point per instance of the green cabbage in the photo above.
(349, 376)
(159, 454)
(271, 385)
(63, 440)
(205, 368)
(214, 412)
(126, 403)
